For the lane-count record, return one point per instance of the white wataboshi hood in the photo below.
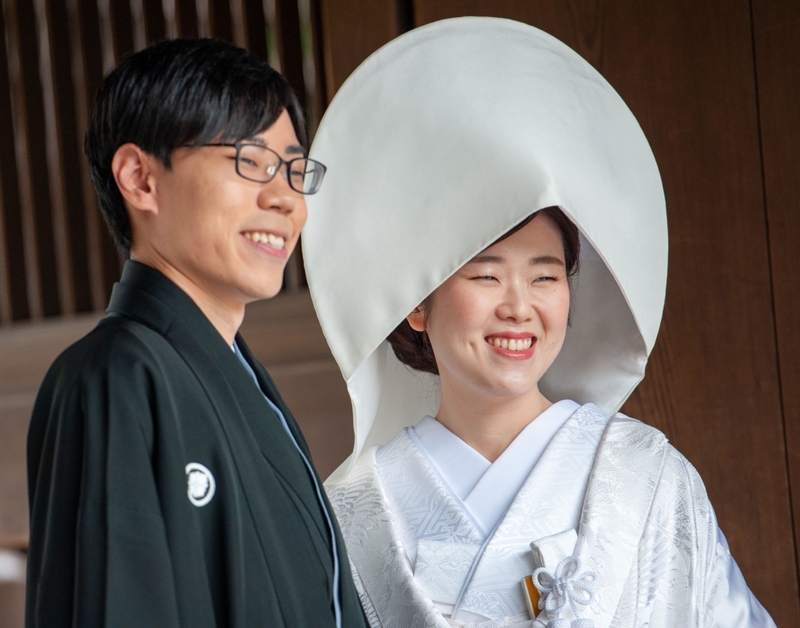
(439, 143)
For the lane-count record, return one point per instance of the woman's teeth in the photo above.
(512, 345)
(276, 242)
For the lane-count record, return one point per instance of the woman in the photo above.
(472, 163)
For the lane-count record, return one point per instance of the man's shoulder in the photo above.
(116, 346)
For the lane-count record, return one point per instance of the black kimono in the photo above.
(164, 490)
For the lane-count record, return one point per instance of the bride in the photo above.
(488, 263)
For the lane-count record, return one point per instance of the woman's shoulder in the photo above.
(678, 478)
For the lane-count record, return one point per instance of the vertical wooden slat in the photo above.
(256, 29)
(289, 48)
(5, 275)
(55, 157)
(317, 97)
(107, 42)
(220, 16)
(16, 279)
(25, 184)
(271, 17)
(287, 31)
(777, 48)
(309, 68)
(170, 10)
(94, 61)
(120, 15)
(186, 18)
(70, 143)
(238, 28)
(138, 22)
(6, 291)
(92, 218)
(154, 23)
(203, 18)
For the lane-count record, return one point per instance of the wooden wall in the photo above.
(56, 257)
(715, 85)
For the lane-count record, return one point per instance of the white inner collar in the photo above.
(487, 489)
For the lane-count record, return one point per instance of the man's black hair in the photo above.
(179, 92)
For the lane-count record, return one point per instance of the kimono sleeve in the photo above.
(98, 550)
(728, 600)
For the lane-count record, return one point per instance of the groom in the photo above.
(169, 485)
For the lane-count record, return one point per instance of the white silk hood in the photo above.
(439, 143)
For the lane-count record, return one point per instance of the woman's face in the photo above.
(499, 322)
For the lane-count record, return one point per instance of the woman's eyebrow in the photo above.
(486, 259)
(545, 259)
(499, 259)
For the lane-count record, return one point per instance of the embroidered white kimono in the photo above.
(644, 523)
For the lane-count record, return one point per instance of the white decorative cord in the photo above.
(569, 585)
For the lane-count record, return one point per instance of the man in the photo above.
(169, 484)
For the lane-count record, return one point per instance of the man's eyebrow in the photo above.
(294, 149)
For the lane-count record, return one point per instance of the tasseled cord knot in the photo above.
(569, 585)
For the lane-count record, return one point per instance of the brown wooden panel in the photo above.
(170, 10)
(15, 281)
(78, 61)
(351, 31)
(238, 27)
(107, 43)
(203, 18)
(186, 18)
(290, 52)
(69, 154)
(5, 275)
(31, 160)
(317, 96)
(777, 48)
(25, 186)
(54, 154)
(154, 24)
(122, 25)
(686, 70)
(138, 24)
(256, 29)
(220, 16)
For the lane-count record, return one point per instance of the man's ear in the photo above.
(417, 319)
(133, 170)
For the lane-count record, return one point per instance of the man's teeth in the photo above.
(276, 242)
(512, 345)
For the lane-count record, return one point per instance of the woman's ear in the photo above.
(133, 170)
(417, 319)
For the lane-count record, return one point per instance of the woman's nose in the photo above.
(515, 305)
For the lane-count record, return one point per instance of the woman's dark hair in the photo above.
(179, 92)
(413, 348)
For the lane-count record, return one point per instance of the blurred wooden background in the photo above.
(714, 83)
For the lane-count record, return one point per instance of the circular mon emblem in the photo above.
(201, 485)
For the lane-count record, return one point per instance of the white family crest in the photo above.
(201, 485)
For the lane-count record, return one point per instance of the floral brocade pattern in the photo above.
(649, 530)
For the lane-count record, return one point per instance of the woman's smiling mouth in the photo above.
(513, 345)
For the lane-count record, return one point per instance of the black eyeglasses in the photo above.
(259, 163)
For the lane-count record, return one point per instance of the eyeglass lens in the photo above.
(261, 164)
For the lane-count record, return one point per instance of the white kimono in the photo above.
(428, 535)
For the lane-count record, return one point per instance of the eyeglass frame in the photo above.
(281, 163)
